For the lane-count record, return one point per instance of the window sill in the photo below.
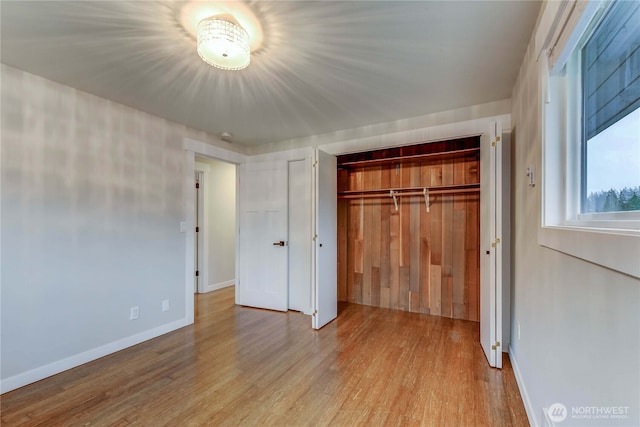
(618, 250)
(602, 225)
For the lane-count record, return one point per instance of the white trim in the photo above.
(219, 285)
(612, 225)
(208, 150)
(287, 155)
(561, 27)
(203, 220)
(610, 216)
(578, 21)
(237, 269)
(552, 19)
(443, 132)
(498, 235)
(70, 362)
(189, 253)
(528, 407)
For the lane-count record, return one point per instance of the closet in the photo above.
(409, 228)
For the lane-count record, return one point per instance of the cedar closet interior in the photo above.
(409, 228)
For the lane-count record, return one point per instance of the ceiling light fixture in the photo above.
(223, 43)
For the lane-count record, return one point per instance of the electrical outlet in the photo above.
(165, 305)
(134, 313)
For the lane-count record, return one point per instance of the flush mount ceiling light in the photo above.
(223, 43)
(201, 20)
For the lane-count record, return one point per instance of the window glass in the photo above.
(611, 112)
(613, 167)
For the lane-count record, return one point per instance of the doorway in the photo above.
(296, 238)
(215, 224)
(409, 220)
(422, 236)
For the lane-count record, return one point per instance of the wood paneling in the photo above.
(410, 259)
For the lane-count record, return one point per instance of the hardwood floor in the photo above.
(243, 366)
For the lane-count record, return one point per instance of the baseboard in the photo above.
(43, 372)
(220, 285)
(521, 386)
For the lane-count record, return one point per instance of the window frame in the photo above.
(612, 241)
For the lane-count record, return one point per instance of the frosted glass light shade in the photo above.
(223, 43)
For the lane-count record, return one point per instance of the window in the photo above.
(610, 69)
(589, 58)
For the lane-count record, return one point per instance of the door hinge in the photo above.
(495, 243)
(315, 237)
(197, 185)
(315, 313)
(197, 273)
(197, 229)
(315, 162)
(495, 346)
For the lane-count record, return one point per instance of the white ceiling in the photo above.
(324, 66)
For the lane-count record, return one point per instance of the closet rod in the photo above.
(430, 189)
(411, 193)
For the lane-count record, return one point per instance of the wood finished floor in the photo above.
(242, 366)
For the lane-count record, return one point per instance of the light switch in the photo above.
(531, 175)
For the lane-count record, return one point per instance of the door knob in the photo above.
(280, 243)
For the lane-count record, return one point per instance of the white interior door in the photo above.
(263, 235)
(326, 240)
(300, 232)
(490, 236)
(498, 230)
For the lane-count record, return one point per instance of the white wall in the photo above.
(579, 323)
(92, 200)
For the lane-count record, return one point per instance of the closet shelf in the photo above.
(410, 158)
